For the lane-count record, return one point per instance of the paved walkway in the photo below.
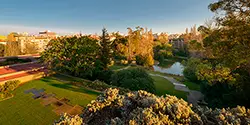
(193, 95)
(23, 67)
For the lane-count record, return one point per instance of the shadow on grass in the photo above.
(46, 79)
(74, 88)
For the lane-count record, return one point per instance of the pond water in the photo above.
(175, 69)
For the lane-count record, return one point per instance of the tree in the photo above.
(133, 79)
(12, 48)
(140, 43)
(162, 50)
(30, 48)
(105, 49)
(228, 54)
(2, 48)
(119, 46)
(74, 55)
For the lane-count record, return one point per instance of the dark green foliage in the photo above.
(226, 74)
(105, 49)
(2, 48)
(190, 69)
(162, 50)
(181, 52)
(14, 60)
(140, 60)
(74, 55)
(231, 94)
(133, 79)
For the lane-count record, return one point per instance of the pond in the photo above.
(175, 69)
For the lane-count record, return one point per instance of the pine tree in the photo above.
(106, 49)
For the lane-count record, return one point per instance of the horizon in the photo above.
(89, 17)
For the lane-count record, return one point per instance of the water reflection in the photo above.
(175, 69)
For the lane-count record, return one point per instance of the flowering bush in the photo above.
(141, 107)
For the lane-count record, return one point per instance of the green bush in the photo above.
(101, 86)
(12, 59)
(141, 107)
(7, 88)
(103, 75)
(133, 79)
(190, 69)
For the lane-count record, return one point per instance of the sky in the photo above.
(90, 16)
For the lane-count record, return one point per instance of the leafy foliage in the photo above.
(2, 48)
(133, 79)
(7, 88)
(30, 48)
(105, 49)
(101, 86)
(12, 48)
(226, 72)
(140, 43)
(77, 56)
(141, 107)
(162, 50)
(190, 69)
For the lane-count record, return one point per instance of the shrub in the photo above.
(133, 79)
(146, 60)
(101, 86)
(190, 69)
(7, 88)
(141, 107)
(12, 59)
(104, 75)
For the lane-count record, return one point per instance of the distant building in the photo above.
(177, 43)
(40, 41)
(156, 36)
(48, 34)
(173, 36)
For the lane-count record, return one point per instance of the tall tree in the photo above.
(105, 49)
(227, 68)
(140, 44)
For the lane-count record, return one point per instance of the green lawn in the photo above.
(23, 109)
(164, 87)
(192, 86)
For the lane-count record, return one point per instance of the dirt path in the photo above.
(193, 95)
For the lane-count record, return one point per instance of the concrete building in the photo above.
(39, 41)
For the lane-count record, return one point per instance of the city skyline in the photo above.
(88, 17)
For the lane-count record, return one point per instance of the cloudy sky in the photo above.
(90, 16)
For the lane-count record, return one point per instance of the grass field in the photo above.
(164, 87)
(23, 109)
(190, 85)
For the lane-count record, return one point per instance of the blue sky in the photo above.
(90, 16)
